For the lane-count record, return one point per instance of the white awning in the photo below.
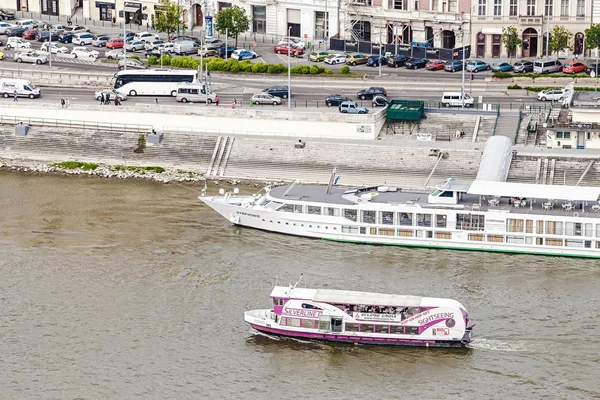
(131, 9)
(533, 191)
(491, 31)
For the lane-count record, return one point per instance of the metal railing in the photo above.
(66, 123)
(517, 130)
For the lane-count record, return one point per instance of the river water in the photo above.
(134, 290)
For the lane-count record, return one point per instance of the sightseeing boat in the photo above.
(487, 214)
(363, 317)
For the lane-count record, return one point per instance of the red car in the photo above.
(434, 65)
(30, 34)
(573, 67)
(284, 48)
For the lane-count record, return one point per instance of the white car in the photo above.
(31, 56)
(145, 36)
(294, 41)
(17, 43)
(335, 59)
(152, 44)
(236, 53)
(84, 52)
(58, 28)
(551, 94)
(266, 98)
(55, 49)
(135, 45)
(115, 54)
(113, 94)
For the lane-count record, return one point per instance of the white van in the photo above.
(24, 88)
(454, 99)
(186, 47)
(194, 93)
(546, 66)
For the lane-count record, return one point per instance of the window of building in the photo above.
(350, 214)
(563, 135)
(405, 218)
(453, 6)
(580, 8)
(387, 217)
(435, 5)
(321, 23)
(530, 7)
(400, 4)
(496, 45)
(482, 7)
(368, 217)
(497, 7)
(259, 19)
(512, 8)
(424, 219)
(440, 221)
(470, 222)
(549, 8)
(564, 8)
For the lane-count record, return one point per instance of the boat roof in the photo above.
(534, 191)
(353, 297)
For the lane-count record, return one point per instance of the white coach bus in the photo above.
(153, 82)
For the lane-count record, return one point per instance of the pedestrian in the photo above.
(102, 99)
(217, 100)
(156, 100)
(62, 103)
(107, 98)
(233, 104)
(147, 26)
(16, 98)
(67, 102)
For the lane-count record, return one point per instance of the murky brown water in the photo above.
(124, 290)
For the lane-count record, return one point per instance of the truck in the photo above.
(22, 88)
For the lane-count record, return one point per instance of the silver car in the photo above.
(31, 57)
(100, 40)
(266, 98)
(115, 54)
(135, 45)
(132, 63)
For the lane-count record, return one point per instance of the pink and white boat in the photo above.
(363, 317)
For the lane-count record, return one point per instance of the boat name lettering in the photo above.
(434, 317)
(495, 221)
(300, 312)
(248, 214)
(411, 319)
(377, 317)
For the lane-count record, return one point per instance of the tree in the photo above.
(510, 39)
(232, 21)
(592, 36)
(560, 38)
(168, 17)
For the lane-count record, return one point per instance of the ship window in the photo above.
(554, 242)
(295, 208)
(372, 231)
(554, 228)
(597, 230)
(443, 235)
(387, 217)
(540, 227)
(495, 238)
(405, 233)
(539, 241)
(368, 217)
(350, 327)
(573, 243)
(407, 219)
(515, 239)
(447, 194)
(387, 232)
(529, 240)
(597, 245)
(570, 229)
(587, 244)
(424, 219)
(332, 212)
(419, 233)
(363, 230)
(428, 234)
(529, 226)
(440, 221)
(470, 222)
(366, 328)
(578, 228)
(294, 322)
(514, 225)
(350, 214)
(476, 237)
(350, 229)
(382, 328)
(308, 323)
(278, 301)
(589, 230)
(313, 210)
(412, 330)
(273, 205)
(397, 329)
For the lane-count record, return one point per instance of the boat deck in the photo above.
(419, 197)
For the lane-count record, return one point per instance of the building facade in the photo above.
(533, 20)
(45, 7)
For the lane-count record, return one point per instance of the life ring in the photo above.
(467, 208)
(576, 214)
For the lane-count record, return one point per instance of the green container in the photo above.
(405, 110)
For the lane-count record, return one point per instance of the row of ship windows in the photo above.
(553, 227)
(350, 327)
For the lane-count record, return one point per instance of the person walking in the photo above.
(67, 102)
(156, 100)
(62, 103)
(107, 98)
(217, 100)
(16, 98)
(102, 99)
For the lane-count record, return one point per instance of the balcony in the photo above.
(530, 19)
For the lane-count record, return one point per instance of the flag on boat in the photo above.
(336, 179)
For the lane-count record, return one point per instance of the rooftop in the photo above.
(586, 99)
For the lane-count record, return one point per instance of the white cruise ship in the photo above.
(488, 214)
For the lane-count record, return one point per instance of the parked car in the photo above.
(4, 26)
(266, 98)
(502, 66)
(415, 63)
(58, 28)
(128, 36)
(84, 52)
(245, 55)
(206, 51)
(434, 65)
(573, 67)
(453, 66)
(592, 67)
(214, 43)
(43, 36)
(522, 66)
(165, 48)
(54, 49)
(31, 56)
(112, 92)
(114, 43)
(15, 31)
(146, 35)
(27, 23)
(153, 44)
(335, 100)
(293, 41)
(396, 61)
(65, 37)
(30, 34)
(221, 52)
(352, 107)
(82, 38)
(186, 47)
(375, 61)
(371, 92)
(131, 63)
(317, 56)
(335, 59)
(380, 100)
(551, 94)
(100, 41)
(17, 43)
(6, 15)
(476, 66)
(77, 29)
(356, 58)
(114, 54)
(285, 48)
(278, 91)
(185, 38)
(135, 45)
(1, 55)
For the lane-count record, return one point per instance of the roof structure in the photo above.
(496, 159)
(533, 191)
(347, 297)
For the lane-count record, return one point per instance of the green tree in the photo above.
(168, 17)
(592, 36)
(232, 21)
(510, 40)
(560, 38)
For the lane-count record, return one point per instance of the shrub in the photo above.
(259, 68)
(234, 65)
(328, 71)
(134, 57)
(246, 66)
(300, 69)
(164, 61)
(276, 68)
(316, 69)
(515, 86)
(503, 75)
(75, 165)
(345, 70)
(152, 60)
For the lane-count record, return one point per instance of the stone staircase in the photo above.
(507, 124)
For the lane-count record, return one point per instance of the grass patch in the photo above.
(139, 170)
(75, 165)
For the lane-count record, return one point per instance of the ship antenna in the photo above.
(296, 284)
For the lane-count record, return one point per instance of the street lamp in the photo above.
(462, 92)
(124, 44)
(49, 45)
(326, 35)
(547, 27)
(289, 50)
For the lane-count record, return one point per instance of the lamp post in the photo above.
(178, 19)
(289, 68)
(326, 23)
(547, 28)
(124, 43)
(462, 90)
(380, 46)
(50, 46)
(596, 66)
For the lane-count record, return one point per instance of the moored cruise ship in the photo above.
(363, 317)
(488, 214)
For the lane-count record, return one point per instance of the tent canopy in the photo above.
(533, 191)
